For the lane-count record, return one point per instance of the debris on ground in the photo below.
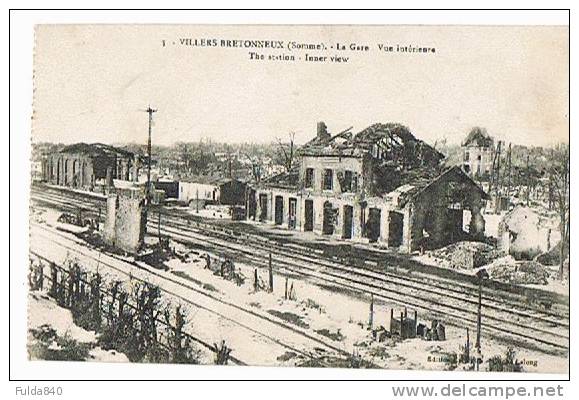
(508, 270)
(552, 256)
(380, 334)
(436, 332)
(226, 269)
(290, 317)
(345, 361)
(465, 255)
(336, 336)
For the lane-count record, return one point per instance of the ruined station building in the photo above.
(83, 166)
(381, 185)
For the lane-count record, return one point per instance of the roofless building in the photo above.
(83, 165)
(381, 185)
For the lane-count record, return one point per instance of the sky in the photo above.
(93, 82)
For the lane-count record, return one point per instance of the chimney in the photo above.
(323, 131)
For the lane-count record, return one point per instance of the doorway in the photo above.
(348, 219)
(328, 222)
(395, 229)
(292, 207)
(278, 210)
(262, 207)
(373, 225)
(251, 205)
(309, 215)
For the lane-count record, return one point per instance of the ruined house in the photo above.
(83, 166)
(381, 185)
(478, 153)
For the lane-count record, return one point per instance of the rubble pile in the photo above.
(436, 332)
(226, 269)
(466, 255)
(181, 252)
(552, 256)
(508, 270)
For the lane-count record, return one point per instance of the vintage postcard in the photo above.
(382, 197)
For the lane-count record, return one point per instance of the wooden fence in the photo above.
(101, 305)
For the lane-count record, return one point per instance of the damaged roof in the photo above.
(375, 132)
(395, 137)
(284, 180)
(478, 137)
(96, 150)
(419, 181)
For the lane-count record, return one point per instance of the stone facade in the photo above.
(356, 193)
(83, 165)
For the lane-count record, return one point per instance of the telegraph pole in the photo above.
(371, 316)
(528, 180)
(498, 178)
(481, 274)
(197, 201)
(479, 314)
(159, 226)
(510, 166)
(149, 111)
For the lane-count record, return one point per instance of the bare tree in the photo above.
(559, 184)
(185, 155)
(287, 150)
(440, 143)
(256, 167)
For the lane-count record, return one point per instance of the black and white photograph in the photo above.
(386, 197)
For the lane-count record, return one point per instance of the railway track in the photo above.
(515, 321)
(134, 271)
(459, 283)
(457, 286)
(372, 259)
(437, 305)
(433, 287)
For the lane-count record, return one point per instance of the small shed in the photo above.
(171, 188)
(232, 192)
(203, 189)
